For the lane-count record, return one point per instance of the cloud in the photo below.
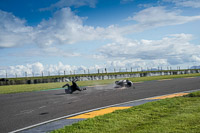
(37, 69)
(20, 70)
(62, 29)
(157, 17)
(136, 64)
(71, 3)
(173, 49)
(65, 27)
(185, 3)
(13, 30)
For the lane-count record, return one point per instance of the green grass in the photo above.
(28, 87)
(46, 86)
(175, 115)
(193, 94)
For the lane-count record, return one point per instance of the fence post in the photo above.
(6, 74)
(64, 72)
(42, 73)
(88, 71)
(15, 75)
(26, 74)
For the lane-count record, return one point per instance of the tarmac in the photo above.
(49, 126)
(44, 111)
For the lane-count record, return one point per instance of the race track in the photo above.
(25, 109)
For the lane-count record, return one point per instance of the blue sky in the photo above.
(67, 35)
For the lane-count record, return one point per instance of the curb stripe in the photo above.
(98, 112)
(169, 96)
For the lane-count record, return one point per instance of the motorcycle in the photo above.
(124, 83)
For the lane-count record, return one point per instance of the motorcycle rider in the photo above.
(73, 87)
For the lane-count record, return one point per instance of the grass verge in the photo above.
(179, 115)
(46, 86)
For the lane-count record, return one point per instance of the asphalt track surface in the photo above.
(24, 109)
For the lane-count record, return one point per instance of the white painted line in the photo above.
(45, 122)
(67, 116)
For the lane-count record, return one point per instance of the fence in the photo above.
(85, 71)
(5, 81)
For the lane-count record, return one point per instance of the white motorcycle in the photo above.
(124, 83)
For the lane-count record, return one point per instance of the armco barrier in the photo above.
(101, 77)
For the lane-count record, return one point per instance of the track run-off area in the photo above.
(25, 109)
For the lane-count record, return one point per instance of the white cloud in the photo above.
(173, 49)
(37, 68)
(34, 69)
(20, 70)
(70, 3)
(67, 28)
(185, 3)
(13, 30)
(64, 28)
(136, 64)
(157, 17)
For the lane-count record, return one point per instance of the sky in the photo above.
(53, 36)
